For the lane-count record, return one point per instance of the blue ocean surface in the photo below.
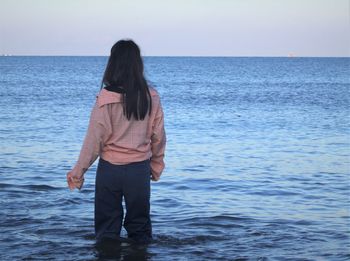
(257, 160)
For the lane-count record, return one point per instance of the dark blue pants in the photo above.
(113, 183)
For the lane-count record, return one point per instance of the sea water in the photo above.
(257, 159)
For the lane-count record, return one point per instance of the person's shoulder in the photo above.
(153, 91)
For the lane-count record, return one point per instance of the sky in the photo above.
(177, 27)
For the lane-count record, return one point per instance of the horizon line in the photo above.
(174, 56)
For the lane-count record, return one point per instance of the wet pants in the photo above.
(113, 183)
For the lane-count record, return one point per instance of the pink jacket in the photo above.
(117, 140)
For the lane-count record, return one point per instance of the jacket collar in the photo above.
(107, 97)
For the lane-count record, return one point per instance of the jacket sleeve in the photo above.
(95, 137)
(158, 141)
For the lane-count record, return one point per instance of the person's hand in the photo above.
(75, 180)
(153, 178)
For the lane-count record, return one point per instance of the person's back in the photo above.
(126, 130)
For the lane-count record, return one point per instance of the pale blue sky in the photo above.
(181, 27)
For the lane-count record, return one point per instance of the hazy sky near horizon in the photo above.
(181, 27)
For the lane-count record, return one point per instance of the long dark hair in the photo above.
(124, 71)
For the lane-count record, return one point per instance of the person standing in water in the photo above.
(126, 130)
